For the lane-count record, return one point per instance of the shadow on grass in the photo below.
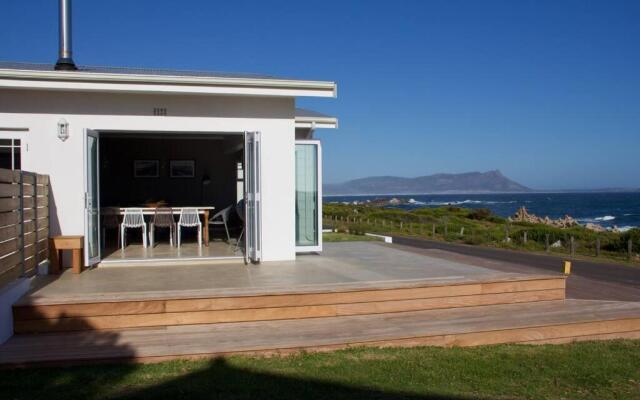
(222, 380)
(73, 340)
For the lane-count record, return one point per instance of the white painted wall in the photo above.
(43, 152)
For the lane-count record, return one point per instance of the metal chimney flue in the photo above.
(65, 60)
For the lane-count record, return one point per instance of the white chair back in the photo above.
(133, 218)
(189, 217)
(223, 214)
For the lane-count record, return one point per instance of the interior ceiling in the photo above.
(173, 135)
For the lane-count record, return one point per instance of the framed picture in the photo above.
(146, 168)
(182, 168)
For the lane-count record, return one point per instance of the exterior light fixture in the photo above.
(63, 129)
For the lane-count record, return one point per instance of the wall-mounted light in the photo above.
(63, 129)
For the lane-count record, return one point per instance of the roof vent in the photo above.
(65, 62)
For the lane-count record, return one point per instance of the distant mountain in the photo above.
(469, 182)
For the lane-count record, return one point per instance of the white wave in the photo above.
(605, 218)
(625, 228)
(416, 202)
(468, 201)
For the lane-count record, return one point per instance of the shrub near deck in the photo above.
(588, 370)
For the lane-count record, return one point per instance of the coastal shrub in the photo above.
(357, 229)
(481, 214)
(620, 242)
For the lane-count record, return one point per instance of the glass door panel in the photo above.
(308, 204)
(92, 206)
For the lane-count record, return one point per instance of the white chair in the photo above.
(133, 218)
(221, 218)
(162, 218)
(189, 218)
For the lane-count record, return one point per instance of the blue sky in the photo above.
(546, 91)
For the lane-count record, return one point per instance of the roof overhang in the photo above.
(162, 84)
(314, 120)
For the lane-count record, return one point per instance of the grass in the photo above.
(346, 237)
(588, 370)
(481, 227)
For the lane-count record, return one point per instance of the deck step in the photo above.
(542, 322)
(137, 313)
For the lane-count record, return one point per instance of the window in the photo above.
(10, 157)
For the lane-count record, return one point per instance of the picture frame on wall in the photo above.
(182, 168)
(146, 168)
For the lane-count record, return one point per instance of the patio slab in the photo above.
(342, 266)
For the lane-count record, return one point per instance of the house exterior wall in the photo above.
(43, 152)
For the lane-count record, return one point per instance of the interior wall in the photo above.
(214, 158)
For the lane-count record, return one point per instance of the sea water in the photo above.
(607, 209)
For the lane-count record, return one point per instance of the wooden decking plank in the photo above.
(537, 322)
(75, 298)
(277, 313)
(26, 312)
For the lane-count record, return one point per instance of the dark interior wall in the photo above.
(215, 158)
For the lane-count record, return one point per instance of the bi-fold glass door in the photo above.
(308, 204)
(253, 202)
(91, 198)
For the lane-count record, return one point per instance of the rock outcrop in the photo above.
(522, 215)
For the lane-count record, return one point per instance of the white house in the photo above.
(118, 137)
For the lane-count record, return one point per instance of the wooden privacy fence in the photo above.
(24, 223)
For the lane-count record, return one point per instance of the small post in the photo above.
(598, 246)
(546, 242)
(400, 225)
(433, 230)
(462, 231)
(524, 238)
(629, 249)
(567, 267)
(573, 247)
(506, 232)
(446, 228)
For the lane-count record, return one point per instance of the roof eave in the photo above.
(317, 123)
(89, 81)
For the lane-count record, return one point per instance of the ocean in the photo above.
(618, 209)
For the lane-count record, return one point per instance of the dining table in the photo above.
(205, 211)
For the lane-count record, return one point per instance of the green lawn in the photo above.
(590, 370)
(346, 237)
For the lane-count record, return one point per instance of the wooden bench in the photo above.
(59, 243)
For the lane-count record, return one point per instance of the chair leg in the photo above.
(170, 235)
(123, 237)
(239, 239)
(152, 234)
(179, 235)
(144, 236)
(227, 230)
(200, 235)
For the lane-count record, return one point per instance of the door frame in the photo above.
(95, 134)
(252, 197)
(318, 247)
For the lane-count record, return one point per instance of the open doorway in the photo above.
(164, 175)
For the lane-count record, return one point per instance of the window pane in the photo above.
(5, 142)
(307, 229)
(16, 158)
(5, 157)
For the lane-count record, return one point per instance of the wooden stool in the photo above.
(59, 243)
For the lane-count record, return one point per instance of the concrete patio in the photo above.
(342, 266)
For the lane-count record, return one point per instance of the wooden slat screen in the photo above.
(24, 223)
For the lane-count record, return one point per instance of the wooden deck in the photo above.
(355, 294)
(295, 303)
(539, 322)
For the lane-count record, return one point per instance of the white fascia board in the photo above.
(103, 82)
(319, 123)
